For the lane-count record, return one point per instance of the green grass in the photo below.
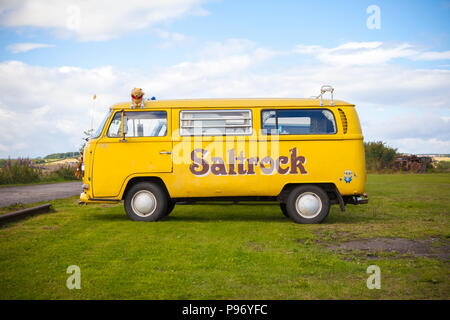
(15, 207)
(230, 251)
(20, 206)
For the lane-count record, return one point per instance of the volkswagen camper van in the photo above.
(307, 154)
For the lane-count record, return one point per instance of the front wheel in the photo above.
(146, 201)
(308, 204)
(170, 207)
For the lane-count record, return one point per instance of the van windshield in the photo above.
(99, 130)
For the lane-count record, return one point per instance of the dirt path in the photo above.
(38, 192)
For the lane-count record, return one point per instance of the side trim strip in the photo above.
(105, 200)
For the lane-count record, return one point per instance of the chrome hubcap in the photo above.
(143, 203)
(308, 205)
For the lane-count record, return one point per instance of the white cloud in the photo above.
(421, 146)
(369, 53)
(26, 46)
(171, 36)
(432, 55)
(171, 39)
(95, 20)
(68, 126)
(229, 47)
(48, 108)
(411, 123)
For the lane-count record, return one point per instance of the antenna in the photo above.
(92, 113)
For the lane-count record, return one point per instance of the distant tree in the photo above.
(63, 155)
(379, 156)
(442, 166)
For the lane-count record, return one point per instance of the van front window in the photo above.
(139, 124)
(99, 130)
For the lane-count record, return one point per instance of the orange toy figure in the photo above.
(136, 97)
(78, 174)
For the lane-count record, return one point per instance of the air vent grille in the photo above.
(343, 120)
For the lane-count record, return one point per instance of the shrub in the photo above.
(379, 156)
(19, 171)
(442, 166)
(64, 172)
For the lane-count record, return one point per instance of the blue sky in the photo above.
(54, 55)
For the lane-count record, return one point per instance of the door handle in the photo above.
(165, 152)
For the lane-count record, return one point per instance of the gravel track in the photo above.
(38, 192)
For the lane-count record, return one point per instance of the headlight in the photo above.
(82, 169)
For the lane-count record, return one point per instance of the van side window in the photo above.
(215, 122)
(115, 126)
(300, 121)
(139, 124)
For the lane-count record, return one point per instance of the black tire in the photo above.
(146, 190)
(317, 196)
(284, 210)
(170, 207)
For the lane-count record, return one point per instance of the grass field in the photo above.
(237, 251)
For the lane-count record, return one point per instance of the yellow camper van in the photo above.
(304, 153)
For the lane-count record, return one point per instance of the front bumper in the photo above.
(84, 198)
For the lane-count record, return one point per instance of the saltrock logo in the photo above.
(238, 164)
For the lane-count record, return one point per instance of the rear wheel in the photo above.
(146, 201)
(308, 204)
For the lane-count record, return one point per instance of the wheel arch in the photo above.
(330, 189)
(135, 180)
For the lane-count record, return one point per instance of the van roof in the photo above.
(216, 103)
